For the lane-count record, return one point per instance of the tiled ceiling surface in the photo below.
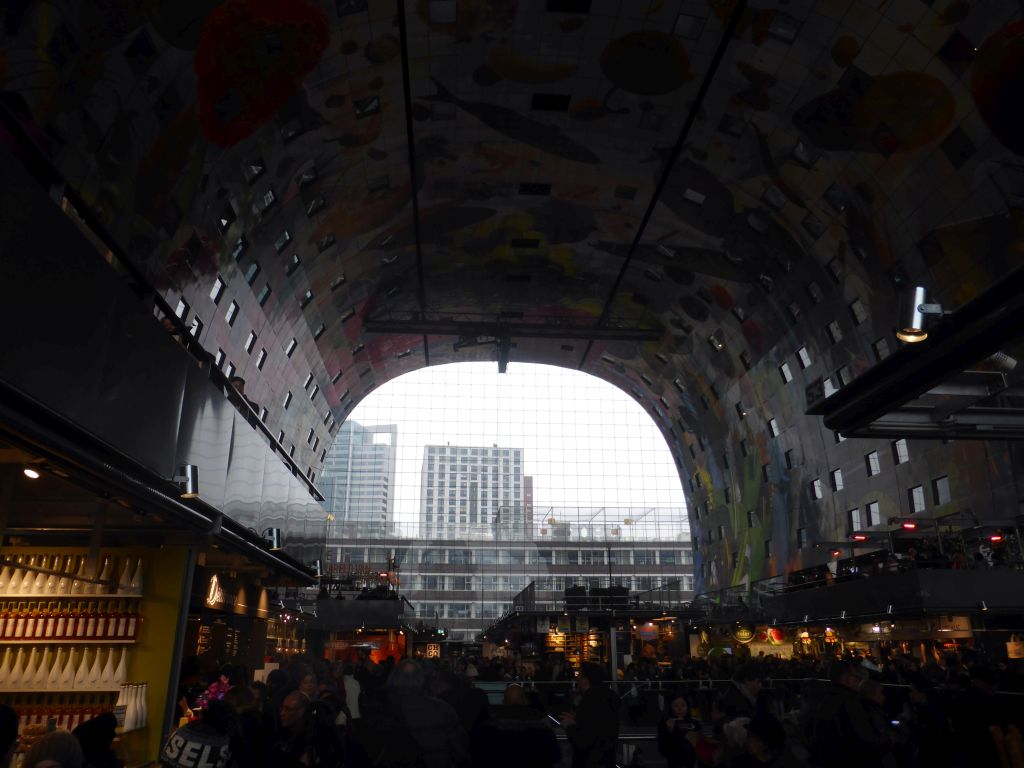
(830, 152)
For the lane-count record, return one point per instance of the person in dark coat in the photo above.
(593, 728)
(741, 699)
(840, 730)
(515, 736)
(677, 733)
(96, 737)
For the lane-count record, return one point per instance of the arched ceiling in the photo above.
(734, 176)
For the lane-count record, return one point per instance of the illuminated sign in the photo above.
(743, 634)
(214, 593)
(433, 650)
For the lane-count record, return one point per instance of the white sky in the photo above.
(585, 442)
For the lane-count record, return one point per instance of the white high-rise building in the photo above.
(472, 492)
(358, 477)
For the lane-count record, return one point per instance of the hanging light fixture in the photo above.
(913, 314)
(188, 481)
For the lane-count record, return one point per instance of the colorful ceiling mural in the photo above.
(756, 180)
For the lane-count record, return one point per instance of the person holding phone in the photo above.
(678, 732)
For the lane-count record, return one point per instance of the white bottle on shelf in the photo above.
(53, 678)
(5, 667)
(29, 577)
(107, 676)
(135, 587)
(37, 667)
(17, 574)
(67, 675)
(64, 582)
(95, 671)
(103, 586)
(79, 585)
(130, 701)
(143, 705)
(39, 583)
(121, 673)
(82, 673)
(125, 582)
(5, 579)
(52, 579)
(14, 678)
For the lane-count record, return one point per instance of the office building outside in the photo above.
(472, 492)
(359, 476)
(466, 584)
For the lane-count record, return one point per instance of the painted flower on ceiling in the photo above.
(251, 58)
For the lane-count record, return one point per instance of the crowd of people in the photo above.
(709, 712)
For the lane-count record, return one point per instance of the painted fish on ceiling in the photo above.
(544, 136)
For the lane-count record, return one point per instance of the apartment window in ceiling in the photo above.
(773, 427)
(814, 291)
(263, 414)
(816, 489)
(306, 298)
(232, 313)
(230, 370)
(843, 375)
(182, 309)
(881, 347)
(263, 295)
(291, 450)
(858, 312)
(853, 519)
(874, 514)
(309, 437)
(751, 518)
(835, 333)
(829, 386)
(794, 310)
(721, 533)
(196, 328)
(261, 358)
(290, 348)
(900, 451)
(768, 548)
(287, 400)
(801, 538)
(803, 357)
(741, 411)
(744, 448)
(251, 272)
(785, 373)
(280, 436)
(725, 460)
(293, 264)
(728, 495)
(308, 381)
(871, 462)
(916, 496)
(837, 479)
(313, 392)
(940, 490)
(838, 438)
(250, 341)
(218, 289)
(790, 458)
(219, 358)
(766, 472)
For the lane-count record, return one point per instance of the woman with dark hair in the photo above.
(678, 732)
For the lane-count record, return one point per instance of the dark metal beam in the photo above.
(695, 108)
(421, 291)
(974, 332)
(499, 330)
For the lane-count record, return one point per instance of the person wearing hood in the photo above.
(593, 728)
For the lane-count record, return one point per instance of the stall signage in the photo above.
(743, 634)
(433, 650)
(215, 594)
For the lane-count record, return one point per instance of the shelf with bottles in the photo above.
(67, 575)
(46, 670)
(68, 621)
(73, 598)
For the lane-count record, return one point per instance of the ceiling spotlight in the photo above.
(914, 311)
(188, 481)
(836, 553)
(909, 525)
(31, 473)
(995, 538)
(859, 537)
